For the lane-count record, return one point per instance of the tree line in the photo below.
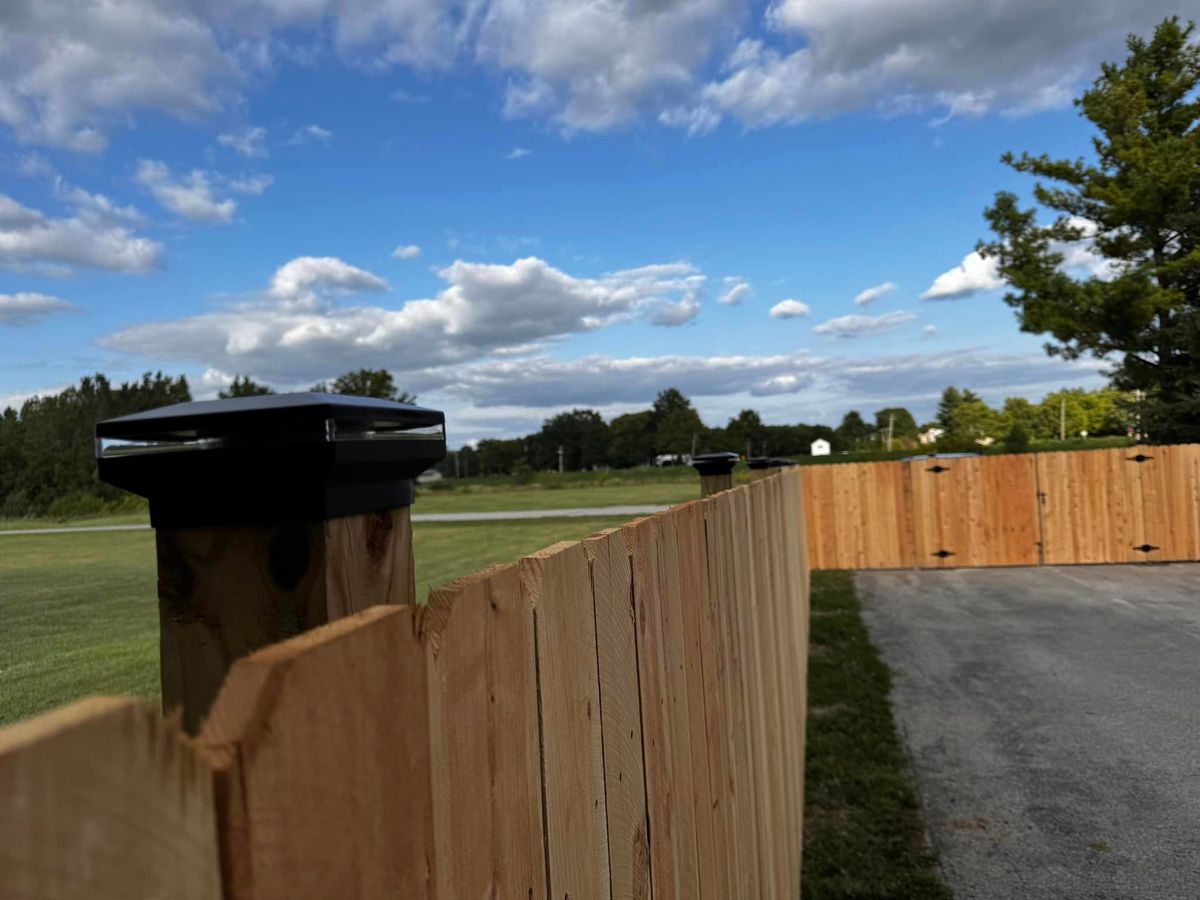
(672, 429)
(47, 448)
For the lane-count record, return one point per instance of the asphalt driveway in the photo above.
(1053, 719)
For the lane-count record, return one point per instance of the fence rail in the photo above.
(617, 717)
(1139, 504)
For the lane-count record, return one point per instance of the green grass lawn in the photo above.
(78, 612)
(863, 834)
(540, 497)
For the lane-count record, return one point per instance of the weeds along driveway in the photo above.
(1053, 720)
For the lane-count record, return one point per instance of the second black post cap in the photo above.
(714, 463)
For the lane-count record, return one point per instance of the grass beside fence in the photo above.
(863, 832)
(79, 615)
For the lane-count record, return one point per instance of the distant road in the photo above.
(583, 512)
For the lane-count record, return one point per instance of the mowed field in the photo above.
(79, 614)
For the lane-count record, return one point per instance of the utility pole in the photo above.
(457, 454)
(891, 429)
(560, 457)
(1062, 419)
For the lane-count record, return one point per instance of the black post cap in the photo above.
(714, 463)
(269, 459)
(768, 462)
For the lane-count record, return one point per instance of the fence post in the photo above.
(762, 466)
(716, 472)
(273, 515)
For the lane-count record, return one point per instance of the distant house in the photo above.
(429, 475)
(820, 447)
(930, 436)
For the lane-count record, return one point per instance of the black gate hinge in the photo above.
(1145, 548)
(1140, 458)
(938, 469)
(942, 554)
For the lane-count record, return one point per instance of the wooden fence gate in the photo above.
(1138, 504)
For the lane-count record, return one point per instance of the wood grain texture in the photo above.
(673, 861)
(687, 521)
(722, 533)
(1169, 485)
(620, 715)
(776, 758)
(484, 743)
(321, 751)
(225, 592)
(788, 558)
(368, 561)
(715, 686)
(862, 515)
(1091, 507)
(982, 510)
(714, 484)
(557, 585)
(758, 686)
(102, 800)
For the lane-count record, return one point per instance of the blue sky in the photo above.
(600, 198)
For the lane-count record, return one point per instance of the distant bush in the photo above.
(76, 506)
(1017, 439)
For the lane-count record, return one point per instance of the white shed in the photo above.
(820, 447)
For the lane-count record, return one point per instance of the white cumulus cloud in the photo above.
(249, 142)
(872, 294)
(190, 196)
(71, 70)
(737, 290)
(407, 251)
(789, 309)
(313, 282)
(964, 59)
(855, 326)
(298, 330)
(97, 234)
(311, 134)
(29, 308)
(972, 276)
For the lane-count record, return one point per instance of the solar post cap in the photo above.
(273, 515)
(714, 463)
(271, 458)
(716, 472)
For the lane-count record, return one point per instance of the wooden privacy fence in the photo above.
(1138, 504)
(613, 718)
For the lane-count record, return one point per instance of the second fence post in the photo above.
(716, 472)
(273, 515)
